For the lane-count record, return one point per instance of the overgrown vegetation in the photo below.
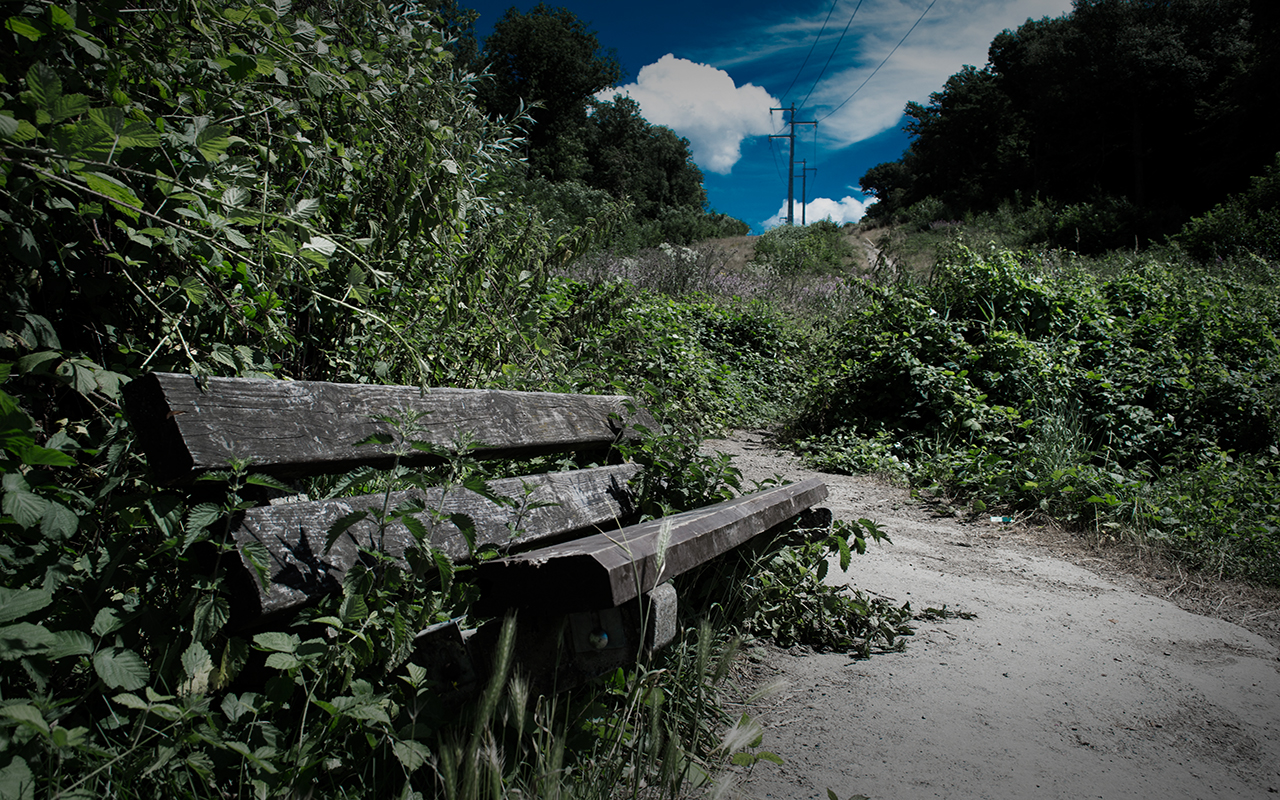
(306, 193)
(318, 193)
(1131, 396)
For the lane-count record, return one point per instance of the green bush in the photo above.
(790, 251)
(1062, 393)
(1248, 223)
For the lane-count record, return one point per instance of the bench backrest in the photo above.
(292, 428)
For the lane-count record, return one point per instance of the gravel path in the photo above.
(1071, 682)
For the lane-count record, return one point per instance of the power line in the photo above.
(882, 63)
(832, 10)
(833, 54)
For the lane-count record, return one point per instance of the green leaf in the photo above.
(202, 516)
(341, 526)
(59, 522)
(211, 614)
(61, 18)
(259, 558)
(278, 641)
(28, 715)
(82, 140)
(197, 666)
(258, 479)
(45, 87)
(213, 141)
(16, 781)
(26, 507)
(106, 622)
(282, 661)
(411, 754)
(19, 130)
(67, 106)
(124, 198)
(306, 208)
(24, 27)
(321, 245)
(70, 643)
(17, 603)
(88, 45)
(131, 701)
(24, 639)
(234, 657)
(120, 668)
(416, 528)
(126, 132)
(36, 455)
(236, 238)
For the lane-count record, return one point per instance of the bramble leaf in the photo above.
(17, 603)
(124, 198)
(24, 27)
(120, 668)
(213, 141)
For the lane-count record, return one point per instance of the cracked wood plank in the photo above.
(608, 569)
(294, 534)
(290, 428)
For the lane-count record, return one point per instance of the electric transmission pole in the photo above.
(791, 160)
(804, 190)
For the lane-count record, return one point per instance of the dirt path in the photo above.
(1071, 682)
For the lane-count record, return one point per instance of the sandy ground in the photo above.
(1073, 680)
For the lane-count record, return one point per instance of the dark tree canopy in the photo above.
(632, 159)
(1152, 103)
(551, 58)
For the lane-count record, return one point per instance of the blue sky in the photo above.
(712, 71)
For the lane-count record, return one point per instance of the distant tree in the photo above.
(1132, 100)
(890, 183)
(635, 160)
(551, 58)
(970, 147)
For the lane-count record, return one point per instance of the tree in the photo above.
(1121, 102)
(635, 160)
(550, 58)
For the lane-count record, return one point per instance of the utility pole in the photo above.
(804, 189)
(791, 160)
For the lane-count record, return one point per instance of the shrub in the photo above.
(1066, 394)
(791, 251)
(1247, 223)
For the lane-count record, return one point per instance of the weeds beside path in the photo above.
(1075, 679)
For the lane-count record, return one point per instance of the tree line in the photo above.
(1136, 114)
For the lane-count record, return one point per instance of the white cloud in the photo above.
(850, 209)
(703, 104)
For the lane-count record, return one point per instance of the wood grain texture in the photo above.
(609, 569)
(303, 427)
(294, 534)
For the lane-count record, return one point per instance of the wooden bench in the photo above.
(575, 562)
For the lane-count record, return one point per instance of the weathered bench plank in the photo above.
(608, 569)
(305, 427)
(294, 534)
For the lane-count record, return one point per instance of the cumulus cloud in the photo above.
(704, 105)
(850, 209)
